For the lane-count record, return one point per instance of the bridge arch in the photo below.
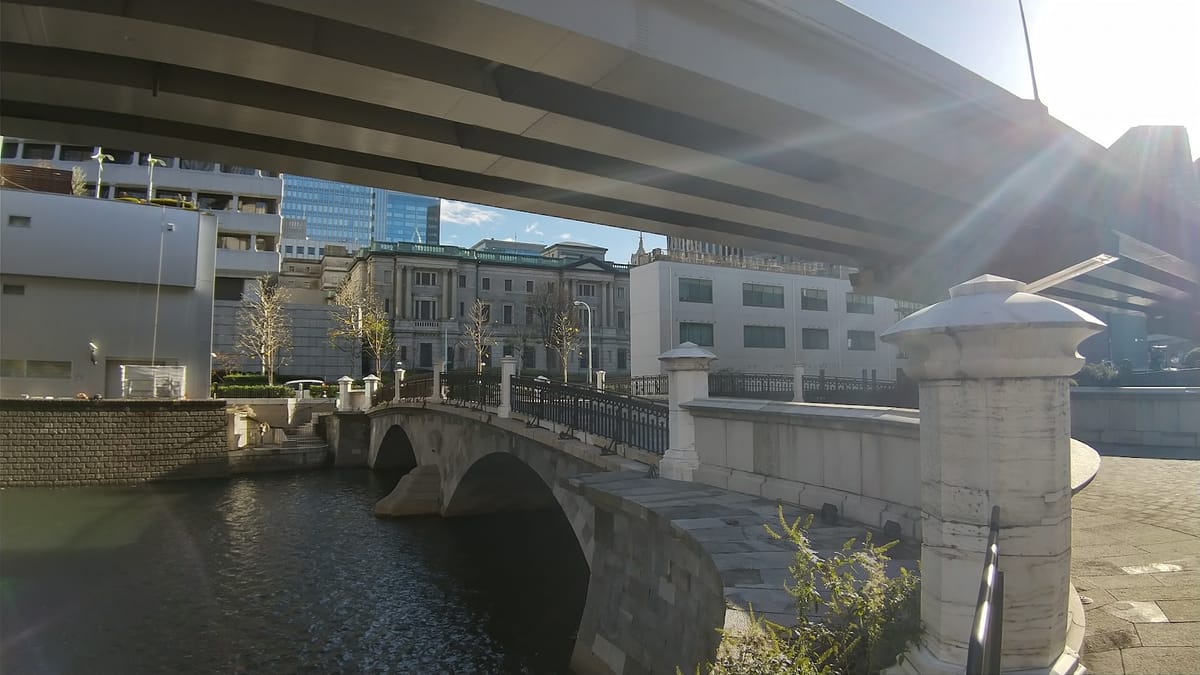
(395, 451)
(498, 482)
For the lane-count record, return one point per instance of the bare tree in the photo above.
(478, 331)
(564, 339)
(264, 327)
(358, 315)
(78, 182)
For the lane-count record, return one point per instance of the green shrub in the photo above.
(244, 379)
(1098, 375)
(252, 391)
(867, 622)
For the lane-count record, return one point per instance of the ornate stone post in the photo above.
(343, 402)
(508, 368)
(687, 380)
(370, 386)
(436, 395)
(400, 372)
(798, 383)
(994, 364)
(600, 375)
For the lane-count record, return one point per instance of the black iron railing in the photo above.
(465, 387)
(764, 386)
(642, 385)
(415, 389)
(624, 419)
(987, 631)
(779, 387)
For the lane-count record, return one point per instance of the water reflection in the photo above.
(279, 574)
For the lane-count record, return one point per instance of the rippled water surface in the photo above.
(278, 574)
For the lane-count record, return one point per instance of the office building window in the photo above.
(12, 368)
(622, 359)
(508, 284)
(904, 307)
(860, 340)
(698, 333)
(695, 290)
(856, 303)
(529, 286)
(814, 299)
(76, 153)
(620, 320)
(814, 338)
(508, 314)
(487, 312)
(427, 309)
(38, 151)
(771, 337)
(485, 283)
(761, 295)
(529, 315)
(311, 250)
(425, 279)
(620, 291)
(403, 353)
(9, 151)
(529, 357)
(287, 249)
(462, 309)
(462, 281)
(585, 290)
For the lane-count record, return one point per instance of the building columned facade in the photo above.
(760, 318)
(429, 291)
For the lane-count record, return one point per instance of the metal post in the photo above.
(100, 158)
(150, 162)
(580, 303)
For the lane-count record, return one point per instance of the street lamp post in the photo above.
(151, 161)
(580, 303)
(100, 158)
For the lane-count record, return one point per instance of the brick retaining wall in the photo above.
(65, 442)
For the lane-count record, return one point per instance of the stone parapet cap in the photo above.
(891, 421)
(687, 356)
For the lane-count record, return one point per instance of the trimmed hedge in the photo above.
(244, 379)
(253, 391)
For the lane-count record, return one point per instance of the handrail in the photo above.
(624, 419)
(987, 631)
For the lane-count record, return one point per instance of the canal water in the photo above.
(279, 574)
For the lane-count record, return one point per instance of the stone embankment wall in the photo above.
(66, 442)
(1161, 417)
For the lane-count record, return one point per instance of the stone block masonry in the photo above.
(64, 442)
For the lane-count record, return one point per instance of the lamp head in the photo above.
(580, 303)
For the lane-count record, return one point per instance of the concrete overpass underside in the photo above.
(811, 127)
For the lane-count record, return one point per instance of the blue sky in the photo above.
(1102, 66)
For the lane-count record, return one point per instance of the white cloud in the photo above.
(532, 228)
(462, 213)
(565, 235)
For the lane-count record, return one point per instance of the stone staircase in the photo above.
(302, 437)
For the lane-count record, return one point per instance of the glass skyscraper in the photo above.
(355, 215)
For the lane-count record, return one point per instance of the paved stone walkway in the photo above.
(1136, 554)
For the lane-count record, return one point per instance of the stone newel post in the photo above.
(687, 380)
(400, 372)
(798, 385)
(508, 368)
(371, 385)
(436, 396)
(344, 382)
(600, 375)
(994, 365)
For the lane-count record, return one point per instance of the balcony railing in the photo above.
(987, 631)
(623, 419)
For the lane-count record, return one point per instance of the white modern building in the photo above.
(245, 200)
(760, 319)
(91, 285)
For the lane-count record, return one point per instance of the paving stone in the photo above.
(1108, 641)
(1183, 634)
(1136, 611)
(1161, 660)
(1107, 662)
(1181, 610)
(1117, 581)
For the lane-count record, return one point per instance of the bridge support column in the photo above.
(436, 395)
(508, 368)
(400, 372)
(798, 384)
(994, 364)
(687, 380)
